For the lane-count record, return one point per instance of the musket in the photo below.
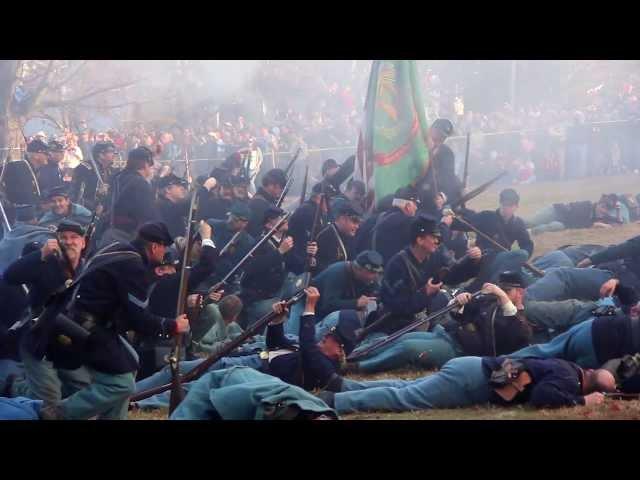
(177, 393)
(231, 242)
(5, 219)
(477, 191)
(187, 164)
(239, 265)
(303, 194)
(91, 228)
(527, 265)
(412, 326)
(285, 190)
(203, 367)
(311, 262)
(465, 175)
(292, 161)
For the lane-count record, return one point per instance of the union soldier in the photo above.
(62, 209)
(354, 194)
(87, 189)
(132, 198)
(623, 259)
(173, 204)
(441, 176)
(20, 177)
(109, 299)
(265, 275)
(50, 175)
(467, 381)
(273, 183)
(336, 241)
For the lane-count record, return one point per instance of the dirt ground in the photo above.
(533, 198)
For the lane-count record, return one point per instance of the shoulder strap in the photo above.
(413, 271)
(340, 242)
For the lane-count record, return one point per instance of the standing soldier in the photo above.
(441, 176)
(20, 178)
(172, 203)
(109, 299)
(50, 176)
(87, 187)
(273, 184)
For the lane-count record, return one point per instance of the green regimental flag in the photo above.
(392, 148)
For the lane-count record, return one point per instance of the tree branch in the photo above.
(76, 100)
(69, 77)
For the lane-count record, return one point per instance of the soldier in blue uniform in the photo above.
(87, 189)
(391, 232)
(63, 209)
(46, 272)
(50, 175)
(622, 259)
(336, 241)
(223, 233)
(301, 226)
(467, 381)
(487, 325)
(25, 230)
(173, 204)
(503, 226)
(414, 276)
(353, 194)
(20, 178)
(109, 299)
(273, 183)
(265, 274)
(132, 198)
(441, 176)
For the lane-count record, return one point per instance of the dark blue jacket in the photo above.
(258, 205)
(265, 274)
(133, 201)
(221, 236)
(491, 223)
(174, 215)
(300, 226)
(330, 250)
(628, 256)
(49, 176)
(614, 337)
(21, 183)
(339, 289)
(307, 366)
(555, 382)
(391, 233)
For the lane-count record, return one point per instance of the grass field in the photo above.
(533, 198)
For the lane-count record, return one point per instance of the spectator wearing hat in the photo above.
(414, 276)
(273, 183)
(62, 209)
(223, 232)
(173, 204)
(47, 271)
(20, 178)
(50, 175)
(336, 241)
(392, 230)
(504, 227)
(25, 230)
(132, 198)
(265, 274)
(110, 298)
(301, 226)
(87, 189)
(441, 175)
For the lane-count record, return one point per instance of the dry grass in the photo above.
(533, 198)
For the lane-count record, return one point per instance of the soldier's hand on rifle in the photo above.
(585, 262)
(210, 183)
(608, 287)
(463, 298)
(364, 300)
(194, 301)
(182, 323)
(313, 295)
(447, 220)
(432, 288)
(286, 245)
(595, 398)
(205, 230)
(216, 296)
(280, 309)
(312, 248)
(474, 253)
(52, 247)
